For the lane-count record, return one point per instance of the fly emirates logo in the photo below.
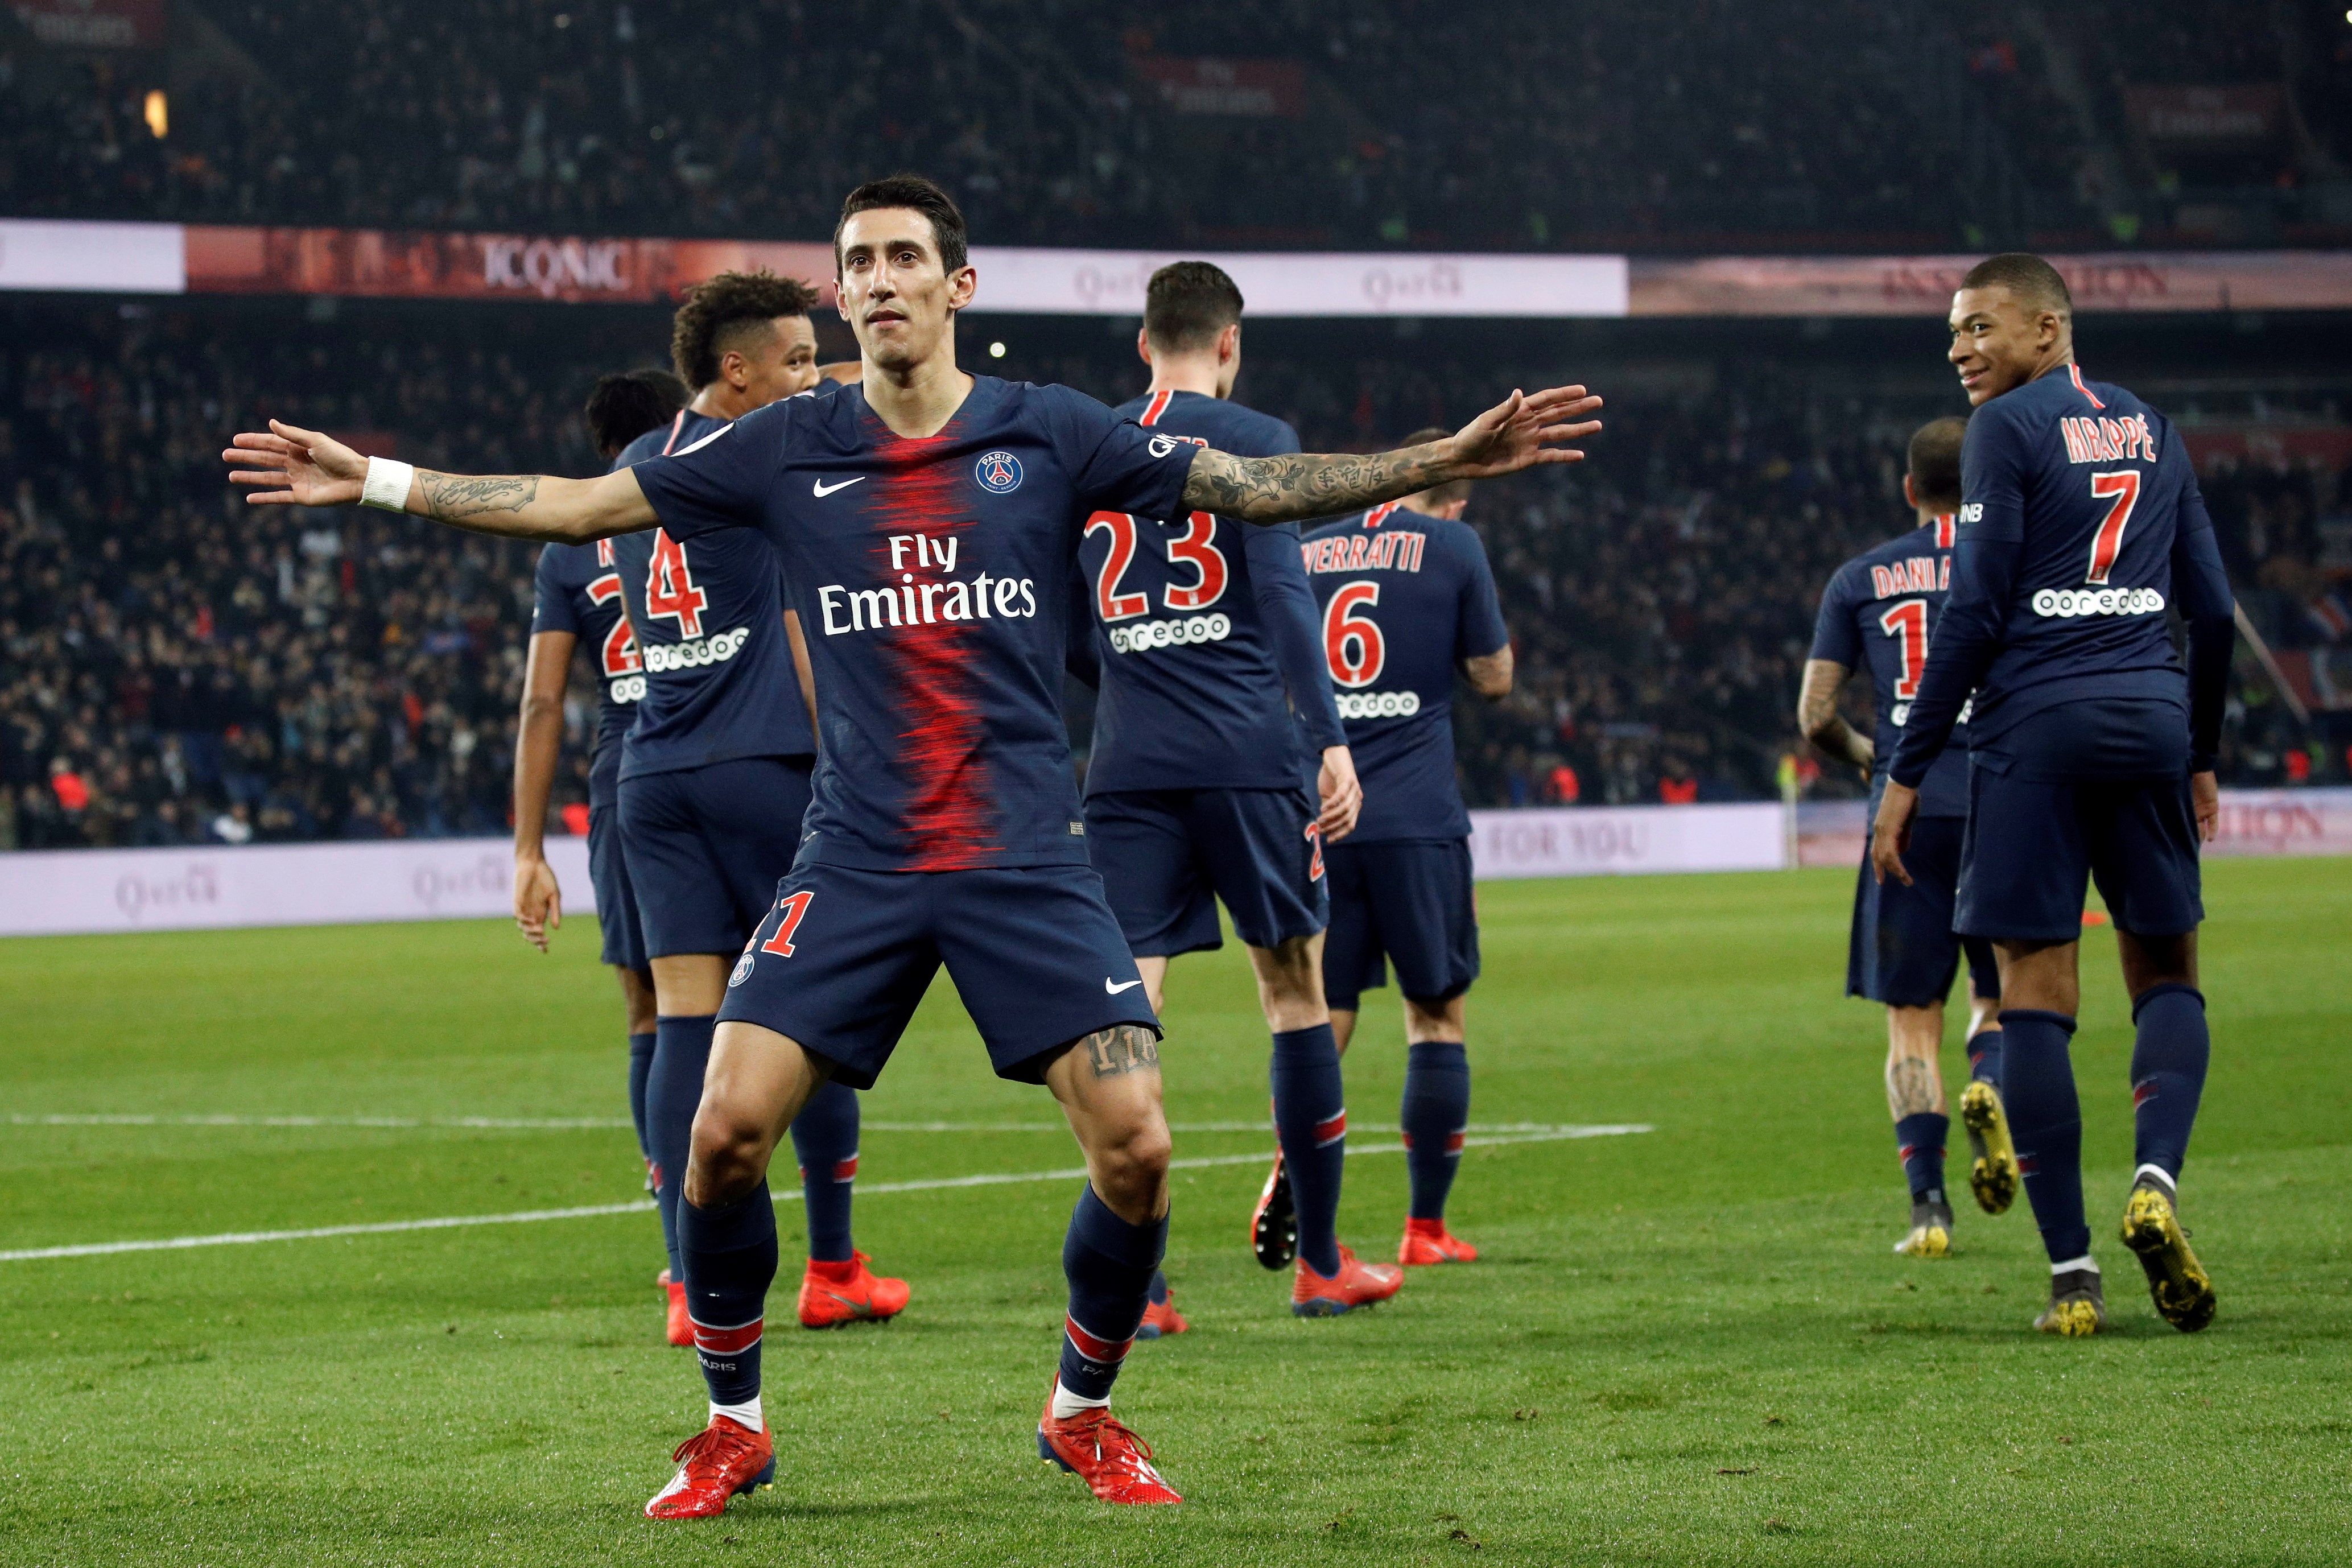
(916, 601)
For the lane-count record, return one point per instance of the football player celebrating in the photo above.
(1203, 636)
(2090, 754)
(1408, 599)
(928, 521)
(1880, 610)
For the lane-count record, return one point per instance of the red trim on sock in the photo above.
(1094, 1347)
(728, 1342)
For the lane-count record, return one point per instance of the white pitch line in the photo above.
(593, 1211)
(599, 1123)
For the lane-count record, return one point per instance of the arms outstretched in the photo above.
(303, 467)
(1517, 433)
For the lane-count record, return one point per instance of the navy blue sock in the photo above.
(641, 1064)
(2045, 1119)
(1157, 1292)
(2168, 1073)
(1919, 1139)
(730, 1261)
(1436, 1106)
(1310, 1122)
(825, 1136)
(673, 1092)
(1110, 1264)
(1984, 1056)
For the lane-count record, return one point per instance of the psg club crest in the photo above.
(999, 472)
(742, 970)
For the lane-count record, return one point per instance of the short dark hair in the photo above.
(1188, 303)
(925, 196)
(2034, 281)
(625, 404)
(1934, 462)
(720, 314)
(1452, 491)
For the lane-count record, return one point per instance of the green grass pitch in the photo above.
(1687, 1346)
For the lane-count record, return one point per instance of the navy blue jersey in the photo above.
(931, 577)
(719, 682)
(1879, 613)
(2079, 523)
(1200, 627)
(1406, 598)
(575, 589)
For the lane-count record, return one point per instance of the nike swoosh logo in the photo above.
(824, 490)
(1115, 990)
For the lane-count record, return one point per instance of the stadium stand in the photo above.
(174, 667)
(1379, 121)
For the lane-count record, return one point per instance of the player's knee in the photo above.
(729, 1151)
(1133, 1161)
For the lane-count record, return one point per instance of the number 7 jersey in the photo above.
(1877, 615)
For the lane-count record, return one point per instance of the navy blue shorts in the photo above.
(616, 901)
(1902, 949)
(2034, 844)
(1412, 902)
(705, 847)
(845, 955)
(1168, 855)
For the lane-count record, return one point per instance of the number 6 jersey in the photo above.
(1877, 615)
(709, 619)
(1406, 597)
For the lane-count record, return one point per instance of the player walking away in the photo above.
(1194, 790)
(1407, 598)
(1880, 610)
(928, 522)
(715, 778)
(2091, 754)
(577, 600)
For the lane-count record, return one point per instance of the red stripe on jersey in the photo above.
(675, 425)
(950, 818)
(1380, 514)
(1330, 1130)
(2077, 372)
(1156, 407)
(728, 1342)
(1093, 1347)
(1946, 528)
(603, 553)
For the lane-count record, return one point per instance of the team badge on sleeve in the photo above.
(999, 472)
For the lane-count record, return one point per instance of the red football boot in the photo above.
(681, 1327)
(1356, 1285)
(715, 1466)
(1161, 1318)
(1428, 1241)
(1274, 1224)
(1114, 1462)
(833, 1294)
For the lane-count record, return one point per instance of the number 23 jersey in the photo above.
(710, 621)
(1878, 613)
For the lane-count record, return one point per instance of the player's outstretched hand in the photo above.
(538, 901)
(1523, 430)
(1342, 795)
(2205, 799)
(1891, 835)
(293, 467)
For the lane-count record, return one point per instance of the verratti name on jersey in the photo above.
(1878, 615)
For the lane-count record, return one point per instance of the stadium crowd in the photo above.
(175, 667)
(1377, 121)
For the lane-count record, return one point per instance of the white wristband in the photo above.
(387, 484)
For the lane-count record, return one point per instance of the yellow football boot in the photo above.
(2078, 1305)
(2182, 1288)
(1931, 1232)
(1992, 1175)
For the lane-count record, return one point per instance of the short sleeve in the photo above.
(551, 608)
(1478, 618)
(724, 479)
(1992, 477)
(1115, 464)
(1835, 638)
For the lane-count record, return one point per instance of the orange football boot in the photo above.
(833, 1294)
(1114, 1462)
(715, 1466)
(1274, 1224)
(1428, 1241)
(681, 1327)
(1161, 1318)
(1356, 1285)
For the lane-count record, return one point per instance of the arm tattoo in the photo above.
(1121, 1048)
(454, 498)
(1912, 1087)
(1817, 714)
(1306, 484)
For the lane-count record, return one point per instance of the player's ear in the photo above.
(1910, 494)
(1229, 344)
(962, 284)
(1143, 345)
